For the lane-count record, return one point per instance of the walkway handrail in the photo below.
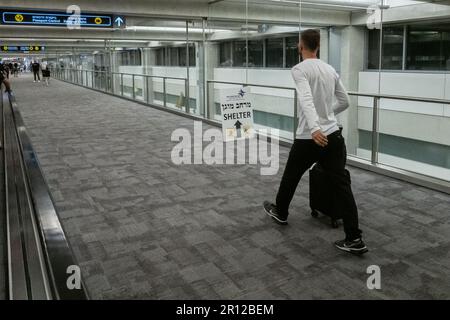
(40, 260)
(115, 72)
(351, 93)
(207, 112)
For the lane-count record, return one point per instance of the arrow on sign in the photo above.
(238, 125)
(119, 21)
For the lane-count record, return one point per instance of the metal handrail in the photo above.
(351, 93)
(395, 97)
(251, 85)
(208, 115)
(53, 252)
(124, 73)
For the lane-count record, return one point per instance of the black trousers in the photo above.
(333, 157)
(36, 75)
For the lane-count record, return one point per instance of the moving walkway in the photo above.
(40, 264)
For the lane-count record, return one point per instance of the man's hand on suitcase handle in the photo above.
(319, 138)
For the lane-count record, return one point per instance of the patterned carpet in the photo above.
(144, 228)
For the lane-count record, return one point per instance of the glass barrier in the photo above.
(186, 69)
(139, 83)
(375, 119)
(127, 85)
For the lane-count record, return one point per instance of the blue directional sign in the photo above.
(60, 19)
(7, 48)
(119, 22)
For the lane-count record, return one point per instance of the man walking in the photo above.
(35, 66)
(318, 139)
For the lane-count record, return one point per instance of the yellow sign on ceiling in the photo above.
(18, 17)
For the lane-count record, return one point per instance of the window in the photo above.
(130, 57)
(292, 55)
(255, 53)
(392, 48)
(160, 57)
(279, 52)
(173, 57)
(192, 55)
(239, 54)
(225, 59)
(274, 53)
(182, 56)
(428, 47)
(373, 54)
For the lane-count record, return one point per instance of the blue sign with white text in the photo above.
(7, 48)
(61, 19)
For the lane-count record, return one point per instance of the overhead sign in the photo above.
(237, 114)
(61, 19)
(119, 22)
(22, 48)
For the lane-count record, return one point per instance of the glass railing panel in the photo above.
(174, 94)
(357, 124)
(127, 85)
(139, 86)
(116, 83)
(414, 136)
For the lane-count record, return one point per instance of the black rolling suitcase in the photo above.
(321, 196)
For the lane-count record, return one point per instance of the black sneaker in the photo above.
(356, 246)
(271, 210)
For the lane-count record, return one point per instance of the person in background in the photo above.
(3, 80)
(11, 68)
(319, 139)
(46, 75)
(16, 69)
(36, 67)
(6, 70)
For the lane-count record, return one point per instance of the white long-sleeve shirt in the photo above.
(321, 96)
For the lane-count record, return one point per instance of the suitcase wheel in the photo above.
(334, 223)
(314, 213)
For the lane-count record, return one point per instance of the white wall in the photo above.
(415, 120)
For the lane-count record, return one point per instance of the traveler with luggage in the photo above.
(319, 140)
(36, 67)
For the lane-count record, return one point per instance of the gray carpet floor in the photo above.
(144, 228)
